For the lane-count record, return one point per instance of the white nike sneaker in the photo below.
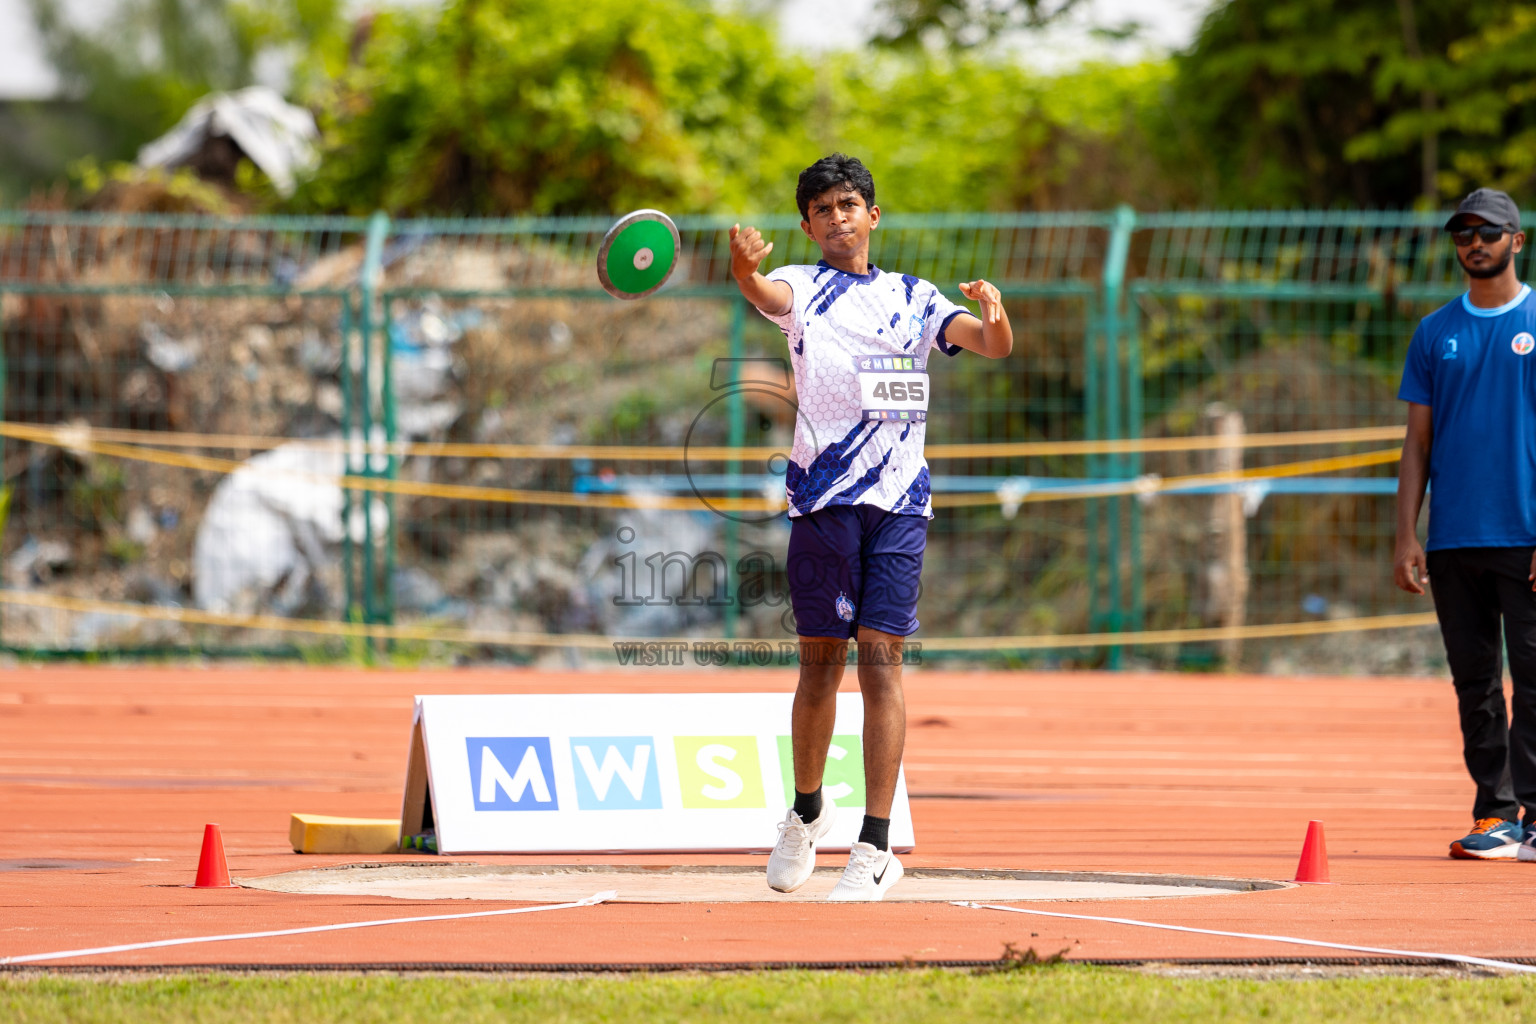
(794, 855)
(869, 874)
(1527, 851)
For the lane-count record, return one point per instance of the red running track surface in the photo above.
(1189, 774)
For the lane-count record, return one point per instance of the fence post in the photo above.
(1227, 570)
(1134, 411)
(1115, 365)
(1091, 432)
(736, 435)
(348, 548)
(363, 595)
(5, 493)
(385, 594)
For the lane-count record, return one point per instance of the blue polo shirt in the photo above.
(1476, 370)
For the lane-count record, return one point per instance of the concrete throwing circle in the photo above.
(566, 883)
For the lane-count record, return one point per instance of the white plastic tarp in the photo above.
(278, 137)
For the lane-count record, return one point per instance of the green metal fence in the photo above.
(483, 336)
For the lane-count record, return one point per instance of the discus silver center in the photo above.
(644, 258)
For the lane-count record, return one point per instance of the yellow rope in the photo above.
(593, 641)
(85, 440)
(1200, 443)
(1156, 485)
(501, 495)
(715, 453)
(1151, 637)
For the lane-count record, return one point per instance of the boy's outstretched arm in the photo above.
(748, 250)
(991, 336)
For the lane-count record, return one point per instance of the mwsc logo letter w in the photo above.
(616, 773)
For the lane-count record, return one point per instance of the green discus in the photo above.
(638, 254)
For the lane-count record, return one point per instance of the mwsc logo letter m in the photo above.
(511, 773)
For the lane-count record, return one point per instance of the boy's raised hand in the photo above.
(987, 294)
(748, 250)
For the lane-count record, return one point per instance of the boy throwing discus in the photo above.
(859, 504)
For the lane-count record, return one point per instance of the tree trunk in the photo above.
(1429, 153)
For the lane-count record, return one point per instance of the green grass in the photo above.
(1053, 993)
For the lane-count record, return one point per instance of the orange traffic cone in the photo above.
(212, 871)
(1314, 856)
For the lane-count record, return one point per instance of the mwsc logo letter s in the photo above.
(511, 773)
(719, 771)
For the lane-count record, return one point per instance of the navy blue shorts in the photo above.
(855, 565)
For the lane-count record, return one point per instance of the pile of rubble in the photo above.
(268, 538)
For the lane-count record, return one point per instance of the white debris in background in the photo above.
(167, 353)
(1011, 493)
(140, 526)
(1253, 496)
(278, 137)
(270, 529)
(560, 338)
(658, 572)
(422, 340)
(36, 562)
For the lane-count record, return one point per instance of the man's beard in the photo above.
(1492, 269)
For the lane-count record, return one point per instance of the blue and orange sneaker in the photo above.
(1490, 839)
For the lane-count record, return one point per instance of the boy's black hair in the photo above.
(833, 171)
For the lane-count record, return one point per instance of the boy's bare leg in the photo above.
(811, 722)
(815, 709)
(885, 717)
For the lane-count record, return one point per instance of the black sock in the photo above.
(808, 805)
(876, 832)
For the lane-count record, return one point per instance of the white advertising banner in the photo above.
(624, 773)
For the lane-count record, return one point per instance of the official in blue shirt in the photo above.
(1470, 385)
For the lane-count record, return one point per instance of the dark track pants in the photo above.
(1473, 589)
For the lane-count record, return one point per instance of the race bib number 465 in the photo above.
(893, 388)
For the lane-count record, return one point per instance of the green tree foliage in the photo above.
(141, 70)
(1481, 102)
(964, 22)
(499, 106)
(311, 37)
(1274, 90)
(1370, 103)
(512, 106)
(545, 106)
(136, 73)
(965, 131)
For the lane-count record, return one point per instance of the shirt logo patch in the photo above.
(1450, 348)
(844, 608)
(1523, 343)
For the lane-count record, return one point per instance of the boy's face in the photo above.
(839, 222)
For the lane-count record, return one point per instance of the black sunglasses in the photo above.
(1489, 233)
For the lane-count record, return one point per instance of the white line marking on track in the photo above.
(1503, 965)
(590, 901)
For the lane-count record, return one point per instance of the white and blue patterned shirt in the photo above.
(840, 326)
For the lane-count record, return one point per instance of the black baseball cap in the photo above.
(1493, 206)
